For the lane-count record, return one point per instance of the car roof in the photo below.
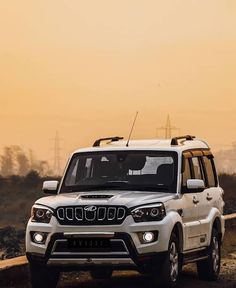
(149, 144)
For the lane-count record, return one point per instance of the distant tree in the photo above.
(7, 162)
(23, 163)
(42, 167)
(33, 161)
(32, 179)
(15, 180)
(15, 161)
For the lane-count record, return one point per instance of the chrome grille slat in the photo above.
(61, 214)
(69, 214)
(111, 213)
(91, 215)
(79, 213)
(99, 213)
(120, 213)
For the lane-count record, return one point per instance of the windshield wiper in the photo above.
(151, 188)
(131, 186)
(119, 185)
(95, 187)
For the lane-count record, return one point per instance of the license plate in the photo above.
(89, 244)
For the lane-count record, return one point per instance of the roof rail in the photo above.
(112, 139)
(174, 141)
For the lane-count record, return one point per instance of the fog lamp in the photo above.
(39, 237)
(148, 237)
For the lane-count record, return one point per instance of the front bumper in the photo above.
(128, 259)
(138, 254)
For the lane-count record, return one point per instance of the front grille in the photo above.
(91, 215)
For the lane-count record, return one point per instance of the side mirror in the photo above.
(50, 187)
(195, 185)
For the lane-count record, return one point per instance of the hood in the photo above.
(122, 198)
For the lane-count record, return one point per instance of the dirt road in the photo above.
(135, 280)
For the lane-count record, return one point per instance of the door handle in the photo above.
(195, 200)
(209, 197)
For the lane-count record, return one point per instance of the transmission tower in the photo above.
(57, 158)
(168, 128)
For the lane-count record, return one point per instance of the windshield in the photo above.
(118, 170)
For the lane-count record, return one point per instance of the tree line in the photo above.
(15, 161)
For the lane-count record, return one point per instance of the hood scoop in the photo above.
(96, 196)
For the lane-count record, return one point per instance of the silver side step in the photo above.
(90, 261)
(194, 256)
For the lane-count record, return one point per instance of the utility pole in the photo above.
(57, 157)
(168, 128)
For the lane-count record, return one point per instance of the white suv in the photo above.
(150, 206)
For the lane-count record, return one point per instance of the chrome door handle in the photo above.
(209, 197)
(195, 200)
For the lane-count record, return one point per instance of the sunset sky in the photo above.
(84, 67)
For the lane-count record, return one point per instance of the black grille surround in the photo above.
(91, 215)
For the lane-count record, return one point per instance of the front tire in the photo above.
(42, 276)
(209, 268)
(168, 273)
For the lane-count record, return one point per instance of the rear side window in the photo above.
(209, 166)
(197, 168)
(187, 173)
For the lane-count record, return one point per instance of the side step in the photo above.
(194, 256)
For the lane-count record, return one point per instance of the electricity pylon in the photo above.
(168, 128)
(57, 157)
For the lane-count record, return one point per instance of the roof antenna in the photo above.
(132, 128)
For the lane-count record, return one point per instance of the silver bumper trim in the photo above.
(89, 234)
(91, 261)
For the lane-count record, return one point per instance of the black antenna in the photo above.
(132, 128)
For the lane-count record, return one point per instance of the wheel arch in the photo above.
(217, 226)
(178, 231)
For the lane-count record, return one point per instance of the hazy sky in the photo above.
(84, 67)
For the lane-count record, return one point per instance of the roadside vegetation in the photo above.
(18, 193)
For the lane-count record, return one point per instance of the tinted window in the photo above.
(134, 170)
(210, 172)
(197, 168)
(187, 173)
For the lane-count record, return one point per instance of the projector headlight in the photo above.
(41, 215)
(154, 212)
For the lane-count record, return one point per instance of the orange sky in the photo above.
(84, 67)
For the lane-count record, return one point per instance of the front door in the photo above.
(190, 215)
(208, 198)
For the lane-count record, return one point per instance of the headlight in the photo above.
(155, 212)
(42, 215)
